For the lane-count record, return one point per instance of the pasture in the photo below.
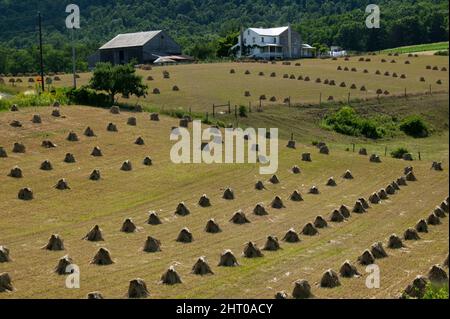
(27, 225)
(202, 85)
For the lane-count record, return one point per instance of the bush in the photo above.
(441, 52)
(86, 96)
(242, 111)
(436, 292)
(347, 121)
(414, 126)
(399, 152)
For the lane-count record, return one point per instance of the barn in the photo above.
(143, 47)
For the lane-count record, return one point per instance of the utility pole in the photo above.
(74, 60)
(41, 52)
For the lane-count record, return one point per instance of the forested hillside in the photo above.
(206, 28)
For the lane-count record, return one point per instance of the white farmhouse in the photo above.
(272, 43)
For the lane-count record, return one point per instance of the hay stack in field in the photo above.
(212, 227)
(407, 169)
(326, 81)
(16, 172)
(182, 210)
(63, 263)
(378, 251)
(273, 99)
(347, 175)
(324, 150)
(296, 196)
(274, 179)
(128, 226)
(277, 203)
(228, 194)
(251, 250)
(184, 123)
(336, 216)
(446, 261)
(320, 222)
(306, 78)
(421, 226)
(437, 275)
(175, 88)
(227, 259)
(19, 148)
(291, 236)
(329, 279)
(185, 236)
(395, 242)
(403, 76)
(354, 70)
(366, 258)
(55, 243)
(102, 258)
(343, 85)
(345, 211)
(348, 270)
(15, 123)
(6, 283)
(89, 132)
(62, 184)
(232, 71)
(410, 177)
(260, 210)
(48, 144)
(411, 234)
(247, 93)
(331, 182)
(444, 206)
(272, 244)
(247, 72)
(295, 169)
(111, 127)
(259, 185)
(387, 73)
(114, 109)
(154, 117)
(439, 212)
(95, 234)
(433, 219)
(394, 75)
(156, 91)
(302, 289)
(204, 201)
(401, 181)
(292, 77)
(444, 69)
(353, 86)
(309, 230)
(346, 69)
(359, 207)
(56, 113)
(330, 98)
(390, 190)
(25, 194)
(314, 190)
(70, 158)
(364, 203)
(339, 68)
(306, 157)
(374, 158)
(72, 137)
(386, 92)
(3, 153)
(318, 80)
(46, 166)
(139, 141)
(152, 245)
(417, 288)
(362, 151)
(14, 108)
(261, 73)
(332, 83)
(374, 198)
(239, 218)
(4, 254)
(383, 194)
(201, 267)
(273, 74)
(437, 166)
(422, 79)
(171, 277)
(132, 121)
(126, 166)
(137, 289)
(95, 175)
(153, 218)
(395, 185)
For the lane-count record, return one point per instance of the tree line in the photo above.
(207, 29)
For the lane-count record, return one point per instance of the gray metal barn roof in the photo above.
(127, 40)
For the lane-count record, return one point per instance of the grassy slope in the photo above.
(202, 85)
(27, 225)
(419, 48)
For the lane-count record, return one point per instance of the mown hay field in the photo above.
(27, 225)
(202, 85)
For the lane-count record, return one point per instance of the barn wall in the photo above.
(162, 44)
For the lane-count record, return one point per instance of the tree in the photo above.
(117, 79)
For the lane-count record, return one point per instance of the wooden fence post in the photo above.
(229, 107)
(320, 99)
(235, 112)
(385, 150)
(420, 158)
(353, 147)
(214, 110)
(348, 98)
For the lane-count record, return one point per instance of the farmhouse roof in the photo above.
(130, 40)
(270, 31)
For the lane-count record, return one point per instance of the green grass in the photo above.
(419, 48)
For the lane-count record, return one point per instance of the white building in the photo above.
(336, 51)
(272, 43)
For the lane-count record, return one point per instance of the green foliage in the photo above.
(87, 96)
(117, 79)
(415, 126)
(44, 99)
(207, 29)
(436, 292)
(242, 111)
(399, 152)
(347, 121)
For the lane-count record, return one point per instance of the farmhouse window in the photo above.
(262, 39)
